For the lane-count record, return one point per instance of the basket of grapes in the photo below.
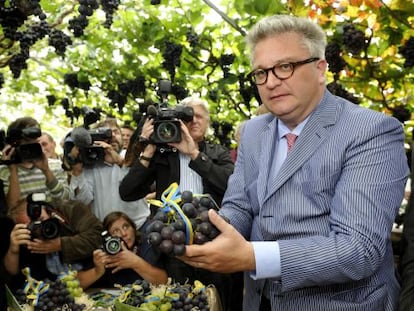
(181, 219)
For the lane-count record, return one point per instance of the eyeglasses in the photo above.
(281, 71)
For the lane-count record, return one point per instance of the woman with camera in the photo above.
(124, 258)
(48, 238)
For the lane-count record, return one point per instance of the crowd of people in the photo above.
(307, 199)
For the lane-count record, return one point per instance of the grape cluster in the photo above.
(109, 6)
(169, 232)
(59, 40)
(78, 24)
(55, 297)
(225, 62)
(334, 58)
(338, 90)
(192, 38)
(354, 40)
(407, 50)
(172, 57)
(174, 297)
(189, 299)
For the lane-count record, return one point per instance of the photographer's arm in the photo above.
(13, 192)
(56, 178)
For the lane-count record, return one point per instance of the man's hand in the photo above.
(228, 252)
(187, 144)
(38, 246)
(20, 235)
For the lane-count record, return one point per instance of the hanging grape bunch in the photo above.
(181, 220)
(407, 50)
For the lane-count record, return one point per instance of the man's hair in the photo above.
(109, 122)
(192, 101)
(314, 38)
(22, 123)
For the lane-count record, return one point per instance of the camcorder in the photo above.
(89, 155)
(23, 152)
(47, 229)
(111, 244)
(167, 128)
(83, 137)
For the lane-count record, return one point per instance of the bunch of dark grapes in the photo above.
(353, 39)
(155, 2)
(78, 24)
(172, 57)
(109, 7)
(59, 40)
(56, 297)
(401, 113)
(334, 58)
(179, 92)
(225, 62)
(337, 90)
(167, 231)
(189, 299)
(1, 80)
(11, 18)
(18, 63)
(407, 50)
(192, 38)
(71, 79)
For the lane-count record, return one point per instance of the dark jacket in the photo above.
(80, 236)
(213, 164)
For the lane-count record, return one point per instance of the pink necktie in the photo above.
(290, 137)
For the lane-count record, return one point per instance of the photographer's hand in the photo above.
(111, 155)
(38, 246)
(149, 150)
(187, 145)
(20, 235)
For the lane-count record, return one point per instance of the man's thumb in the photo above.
(217, 220)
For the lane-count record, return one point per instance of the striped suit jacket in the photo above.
(331, 207)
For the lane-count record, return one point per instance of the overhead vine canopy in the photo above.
(59, 56)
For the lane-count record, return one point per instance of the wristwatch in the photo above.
(142, 157)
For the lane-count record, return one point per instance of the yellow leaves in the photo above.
(372, 4)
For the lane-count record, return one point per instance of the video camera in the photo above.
(23, 152)
(47, 229)
(84, 138)
(111, 244)
(167, 127)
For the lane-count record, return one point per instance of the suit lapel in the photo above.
(310, 139)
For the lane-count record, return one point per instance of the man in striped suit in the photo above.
(310, 226)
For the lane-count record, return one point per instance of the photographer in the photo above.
(25, 168)
(198, 166)
(126, 257)
(45, 248)
(96, 183)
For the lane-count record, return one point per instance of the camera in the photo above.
(167, 127)
(111, 244)
(23, 152)
(92, 154)
(45, 230)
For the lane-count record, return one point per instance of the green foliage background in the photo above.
(134, 45)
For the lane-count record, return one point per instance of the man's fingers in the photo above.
(217, 220)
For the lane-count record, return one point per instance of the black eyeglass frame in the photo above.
(292, 65)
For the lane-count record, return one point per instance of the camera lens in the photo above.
(113, 246)
(50, 229)
(168, 132)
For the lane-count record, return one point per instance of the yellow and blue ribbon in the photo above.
(170, 200)
(33, 288)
